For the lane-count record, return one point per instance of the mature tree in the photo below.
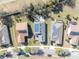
(68, 17)
(7, 21)
(70, 3)
(39, 10)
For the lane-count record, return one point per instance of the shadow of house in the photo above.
(30, 31)
(4, 14)
(26, 40)
(10, 36)
(62, 36)
(46, 35)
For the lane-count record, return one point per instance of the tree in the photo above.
(30, 12)
(70, 3)
(68, 17)
(39, 10)
(7, 21)
(27, 50)
(62, 52)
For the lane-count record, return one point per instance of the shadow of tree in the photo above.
(46, 36)
(8, 21)
(70, 3)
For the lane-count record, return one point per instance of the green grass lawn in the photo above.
(13, 34)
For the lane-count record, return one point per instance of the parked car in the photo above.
(40, 52)
(64, 53)
(8, 54)
(21, 53)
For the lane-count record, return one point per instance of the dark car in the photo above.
(8, 54)
(49, 55)
(40, 52)
(21, 53)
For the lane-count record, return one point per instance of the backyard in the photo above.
(67, 10)
(62, 15)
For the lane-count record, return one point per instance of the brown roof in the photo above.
(21, 26)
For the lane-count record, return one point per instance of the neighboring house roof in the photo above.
(74, 30)
(57, 31)
(74, 40)
(22, 28)
(4, 36)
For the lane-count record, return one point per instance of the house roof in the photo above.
(75, 28)
(56, 30)
(74, 40)
(4, 37)
(21, 26)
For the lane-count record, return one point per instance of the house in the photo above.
(73, 34)
(73, 30)
(40, 31)
(22, 30)
(57, 32)
(4, 36)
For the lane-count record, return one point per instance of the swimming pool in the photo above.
(37, 27)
